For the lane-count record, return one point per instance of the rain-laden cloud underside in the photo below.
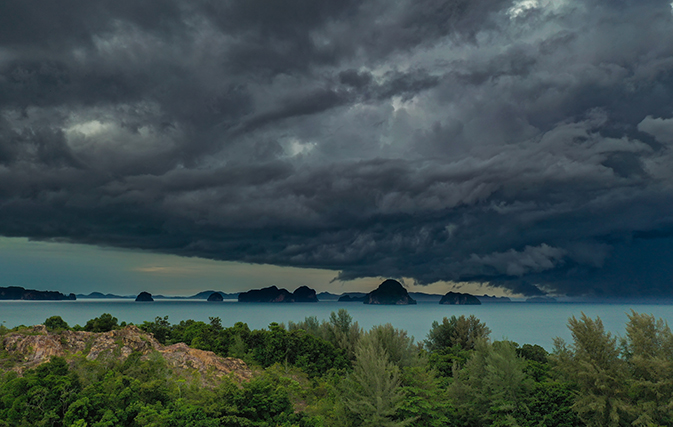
(525, 144)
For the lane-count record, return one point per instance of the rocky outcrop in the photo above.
(215, 297)
(36, 346)
(144, 297)
(457, 298)
(181, 356)
(304, 294)
(390, 292)
(19, 293)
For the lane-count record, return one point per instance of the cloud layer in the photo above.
(526, 144)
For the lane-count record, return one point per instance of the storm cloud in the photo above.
(526, 144)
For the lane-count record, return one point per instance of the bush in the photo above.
(104, 323)
(56, 323)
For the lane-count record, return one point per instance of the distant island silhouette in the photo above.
(273, 294)
(144, 297)
(307, 294)
(457, 298)
(215, 297)
(390, 292)
(19, 293)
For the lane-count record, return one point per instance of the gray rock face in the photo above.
(390, 292)
(457, 298)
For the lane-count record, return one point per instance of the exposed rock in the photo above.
(270, 294)
(19, 293)
(457, 298)
(182, 356)
(489, 299)
(305, 294)
(144, 297)
(37, 346)
(125, 341)
(390, 292)
(215, 297)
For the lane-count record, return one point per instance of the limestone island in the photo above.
(215, 297)
(457, 298)
(390, 292)
(19, 293)
(144, 297)
(305, 294)
(273, 294)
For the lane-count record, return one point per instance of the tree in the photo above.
(492, 388)
(160, 329)
(56, 323)
(648, 350)
(342, 332)
(372, 391)
(425, 399)
(104, 323)
(395, 343)
(456, 331)
(593, 363)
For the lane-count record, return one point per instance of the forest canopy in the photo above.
(334, 373)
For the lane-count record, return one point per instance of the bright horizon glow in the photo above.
(82, 269)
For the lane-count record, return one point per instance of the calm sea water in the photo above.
(519, 322)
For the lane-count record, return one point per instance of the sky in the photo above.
(517, 146)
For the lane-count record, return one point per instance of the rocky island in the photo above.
(273, 294)
(457, 298)
(19, 293)
(304, 294)
(144, 297)
(215, 297)
(390, 292)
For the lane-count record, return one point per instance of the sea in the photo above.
(523, 323)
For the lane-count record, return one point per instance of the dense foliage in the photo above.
(332, 373)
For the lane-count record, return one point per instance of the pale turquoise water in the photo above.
(519, 322)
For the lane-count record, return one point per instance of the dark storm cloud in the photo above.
(526, 144)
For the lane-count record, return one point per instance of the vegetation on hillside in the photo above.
(332, 373)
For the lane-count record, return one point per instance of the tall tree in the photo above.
(648, 350)
(372, 392)
(396, 343)
(492, 388)
(593, 363)
(456, 331)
